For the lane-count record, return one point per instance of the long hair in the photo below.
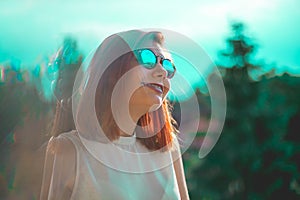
(63, 119)
(159, 118)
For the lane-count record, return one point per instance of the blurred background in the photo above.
(255, 45)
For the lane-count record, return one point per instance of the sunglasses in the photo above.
(148, 59)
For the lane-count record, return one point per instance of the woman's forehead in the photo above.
(161, 51)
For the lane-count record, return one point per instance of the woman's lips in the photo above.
(155, 86)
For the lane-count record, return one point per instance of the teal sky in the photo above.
(32, 29)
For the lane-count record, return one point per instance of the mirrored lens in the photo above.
(168, 66)
(148, 58)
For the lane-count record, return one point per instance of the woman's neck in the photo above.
(128, 124)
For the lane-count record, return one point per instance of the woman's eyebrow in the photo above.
(159, 52)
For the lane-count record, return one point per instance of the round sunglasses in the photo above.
(148, 59)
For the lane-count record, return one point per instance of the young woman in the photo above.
(124, 145)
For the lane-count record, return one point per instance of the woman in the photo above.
(124, 146)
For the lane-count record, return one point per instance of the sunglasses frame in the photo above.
(139, 58)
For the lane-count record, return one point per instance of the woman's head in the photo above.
(132, 87)
(147, 82)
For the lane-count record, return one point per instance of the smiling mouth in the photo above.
(154, 86)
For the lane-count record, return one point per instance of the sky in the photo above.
(32, 29)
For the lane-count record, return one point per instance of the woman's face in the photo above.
(151, 85)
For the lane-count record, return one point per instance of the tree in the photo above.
(25, 115)
(252, 159)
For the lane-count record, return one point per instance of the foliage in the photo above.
(256, 155)
(26, 115)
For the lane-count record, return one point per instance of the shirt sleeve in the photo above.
(59, 169)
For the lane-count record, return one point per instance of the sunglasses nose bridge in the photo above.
(160, 59)
(160, 70)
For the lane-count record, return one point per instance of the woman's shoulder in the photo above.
(62, 144)
(71, 135)
(175, 142)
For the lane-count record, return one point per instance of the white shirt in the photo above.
(124, 169)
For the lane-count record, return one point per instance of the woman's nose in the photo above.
(159, 70)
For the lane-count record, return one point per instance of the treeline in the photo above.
(257, 155)
(28, 96)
